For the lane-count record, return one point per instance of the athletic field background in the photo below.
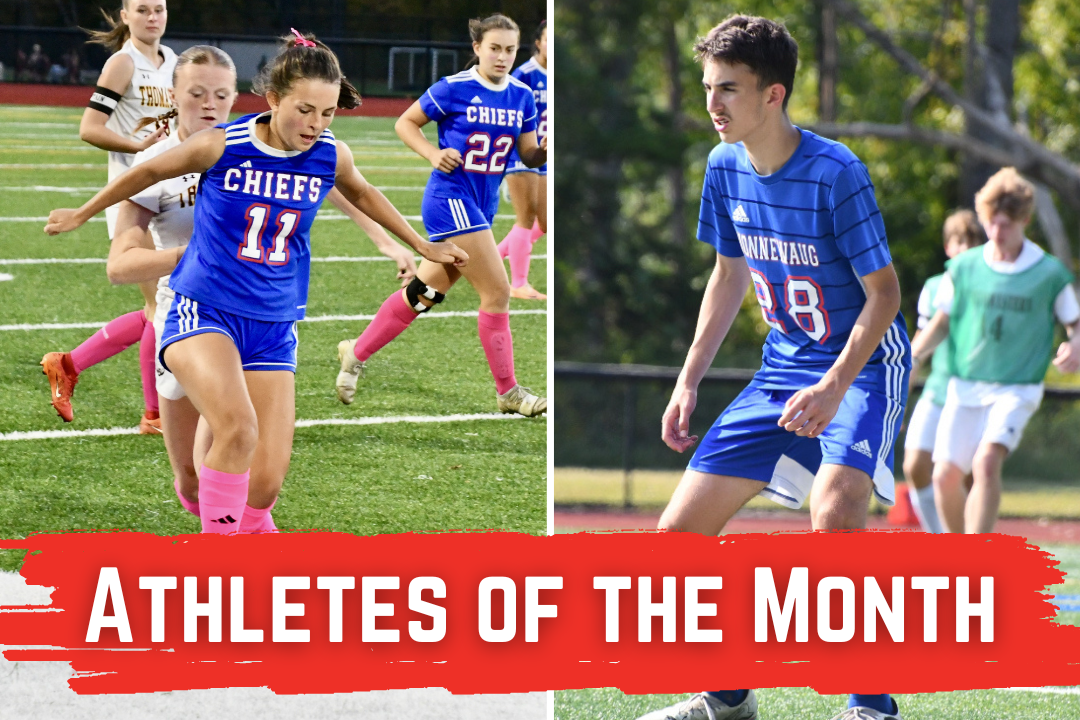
(422, 447)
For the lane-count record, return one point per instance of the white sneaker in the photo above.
(865, 713)
(706, 707)
(517, 399)
(351, 371)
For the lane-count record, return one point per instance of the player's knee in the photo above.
(240, 433)
(422, 297)
(947, 476)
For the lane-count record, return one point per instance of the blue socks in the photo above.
(881, 703)
(731, 698)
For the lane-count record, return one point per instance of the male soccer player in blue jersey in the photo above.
(794, 214)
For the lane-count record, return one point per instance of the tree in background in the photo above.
(932, 105)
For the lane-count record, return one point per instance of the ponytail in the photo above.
(113, 38)
(303, 57)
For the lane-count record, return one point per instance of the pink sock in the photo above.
(117, 336)
(147, 349)
(504, 246)
(520, 254)
(258, 520)
(536, 232)
(498, 345)
(391, 320)
(222, 498)
(191, 507)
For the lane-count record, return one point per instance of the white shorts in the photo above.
(1000, 419)
(923, 425)
(168, 386)
(111, 214)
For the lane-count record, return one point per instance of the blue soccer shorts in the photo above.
(445, 217)
(746, 442)
(263, 345)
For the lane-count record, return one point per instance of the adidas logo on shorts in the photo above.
(740, 215)
(862, 447)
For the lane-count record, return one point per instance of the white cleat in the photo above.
(706, 707)
(520, 400)
(865, 713)
(351, 371)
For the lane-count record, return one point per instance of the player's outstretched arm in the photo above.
(368, 200)
(132, 255)
(809, 411)
(532, 154)
(115, 76)
(378, 236)
(195, 155)
(408, 127)
(719, 306)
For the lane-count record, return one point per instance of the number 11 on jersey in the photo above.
(252, 250)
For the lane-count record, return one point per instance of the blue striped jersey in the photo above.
(536, 77)
(808, 232)
(482, 121)
(250, 252)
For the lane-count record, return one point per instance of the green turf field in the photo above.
(376, 478)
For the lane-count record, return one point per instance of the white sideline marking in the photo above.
(101, 261)
(108, 432)
(1047, 690)
(50, 148)
(52, 166)
(316, 318)
(4, 277)
(20, 123)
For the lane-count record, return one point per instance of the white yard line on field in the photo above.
(1047, 690)
(385, 420)
(101, 261)
(315, 318)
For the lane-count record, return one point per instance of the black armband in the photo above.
(104, 100)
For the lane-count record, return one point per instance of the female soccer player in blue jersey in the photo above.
(528, 186)
(483, 114)
(230, 337)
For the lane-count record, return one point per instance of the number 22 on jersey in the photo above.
(803, 302)
(480, 145)
(252, 248)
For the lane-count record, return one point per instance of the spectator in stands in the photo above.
(37, 64)
(73, 67)
(20, 66)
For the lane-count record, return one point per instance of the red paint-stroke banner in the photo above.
(571, 625)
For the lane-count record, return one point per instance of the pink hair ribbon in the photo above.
(301, 40)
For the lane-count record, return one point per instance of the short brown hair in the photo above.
(963, 224)
(763, 45)
(1006, 192)
(300, 62)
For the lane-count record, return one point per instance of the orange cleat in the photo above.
(62, 380)
(150, 424)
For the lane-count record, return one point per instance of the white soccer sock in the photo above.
(926, 510)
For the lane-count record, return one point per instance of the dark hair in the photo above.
(117, 34)
(760, 44)
(301, 62)
(478, 28)
(537, 35)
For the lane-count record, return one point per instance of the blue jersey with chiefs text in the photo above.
(532, 74)
(809, 232)
(250, 252)
(482, 121)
